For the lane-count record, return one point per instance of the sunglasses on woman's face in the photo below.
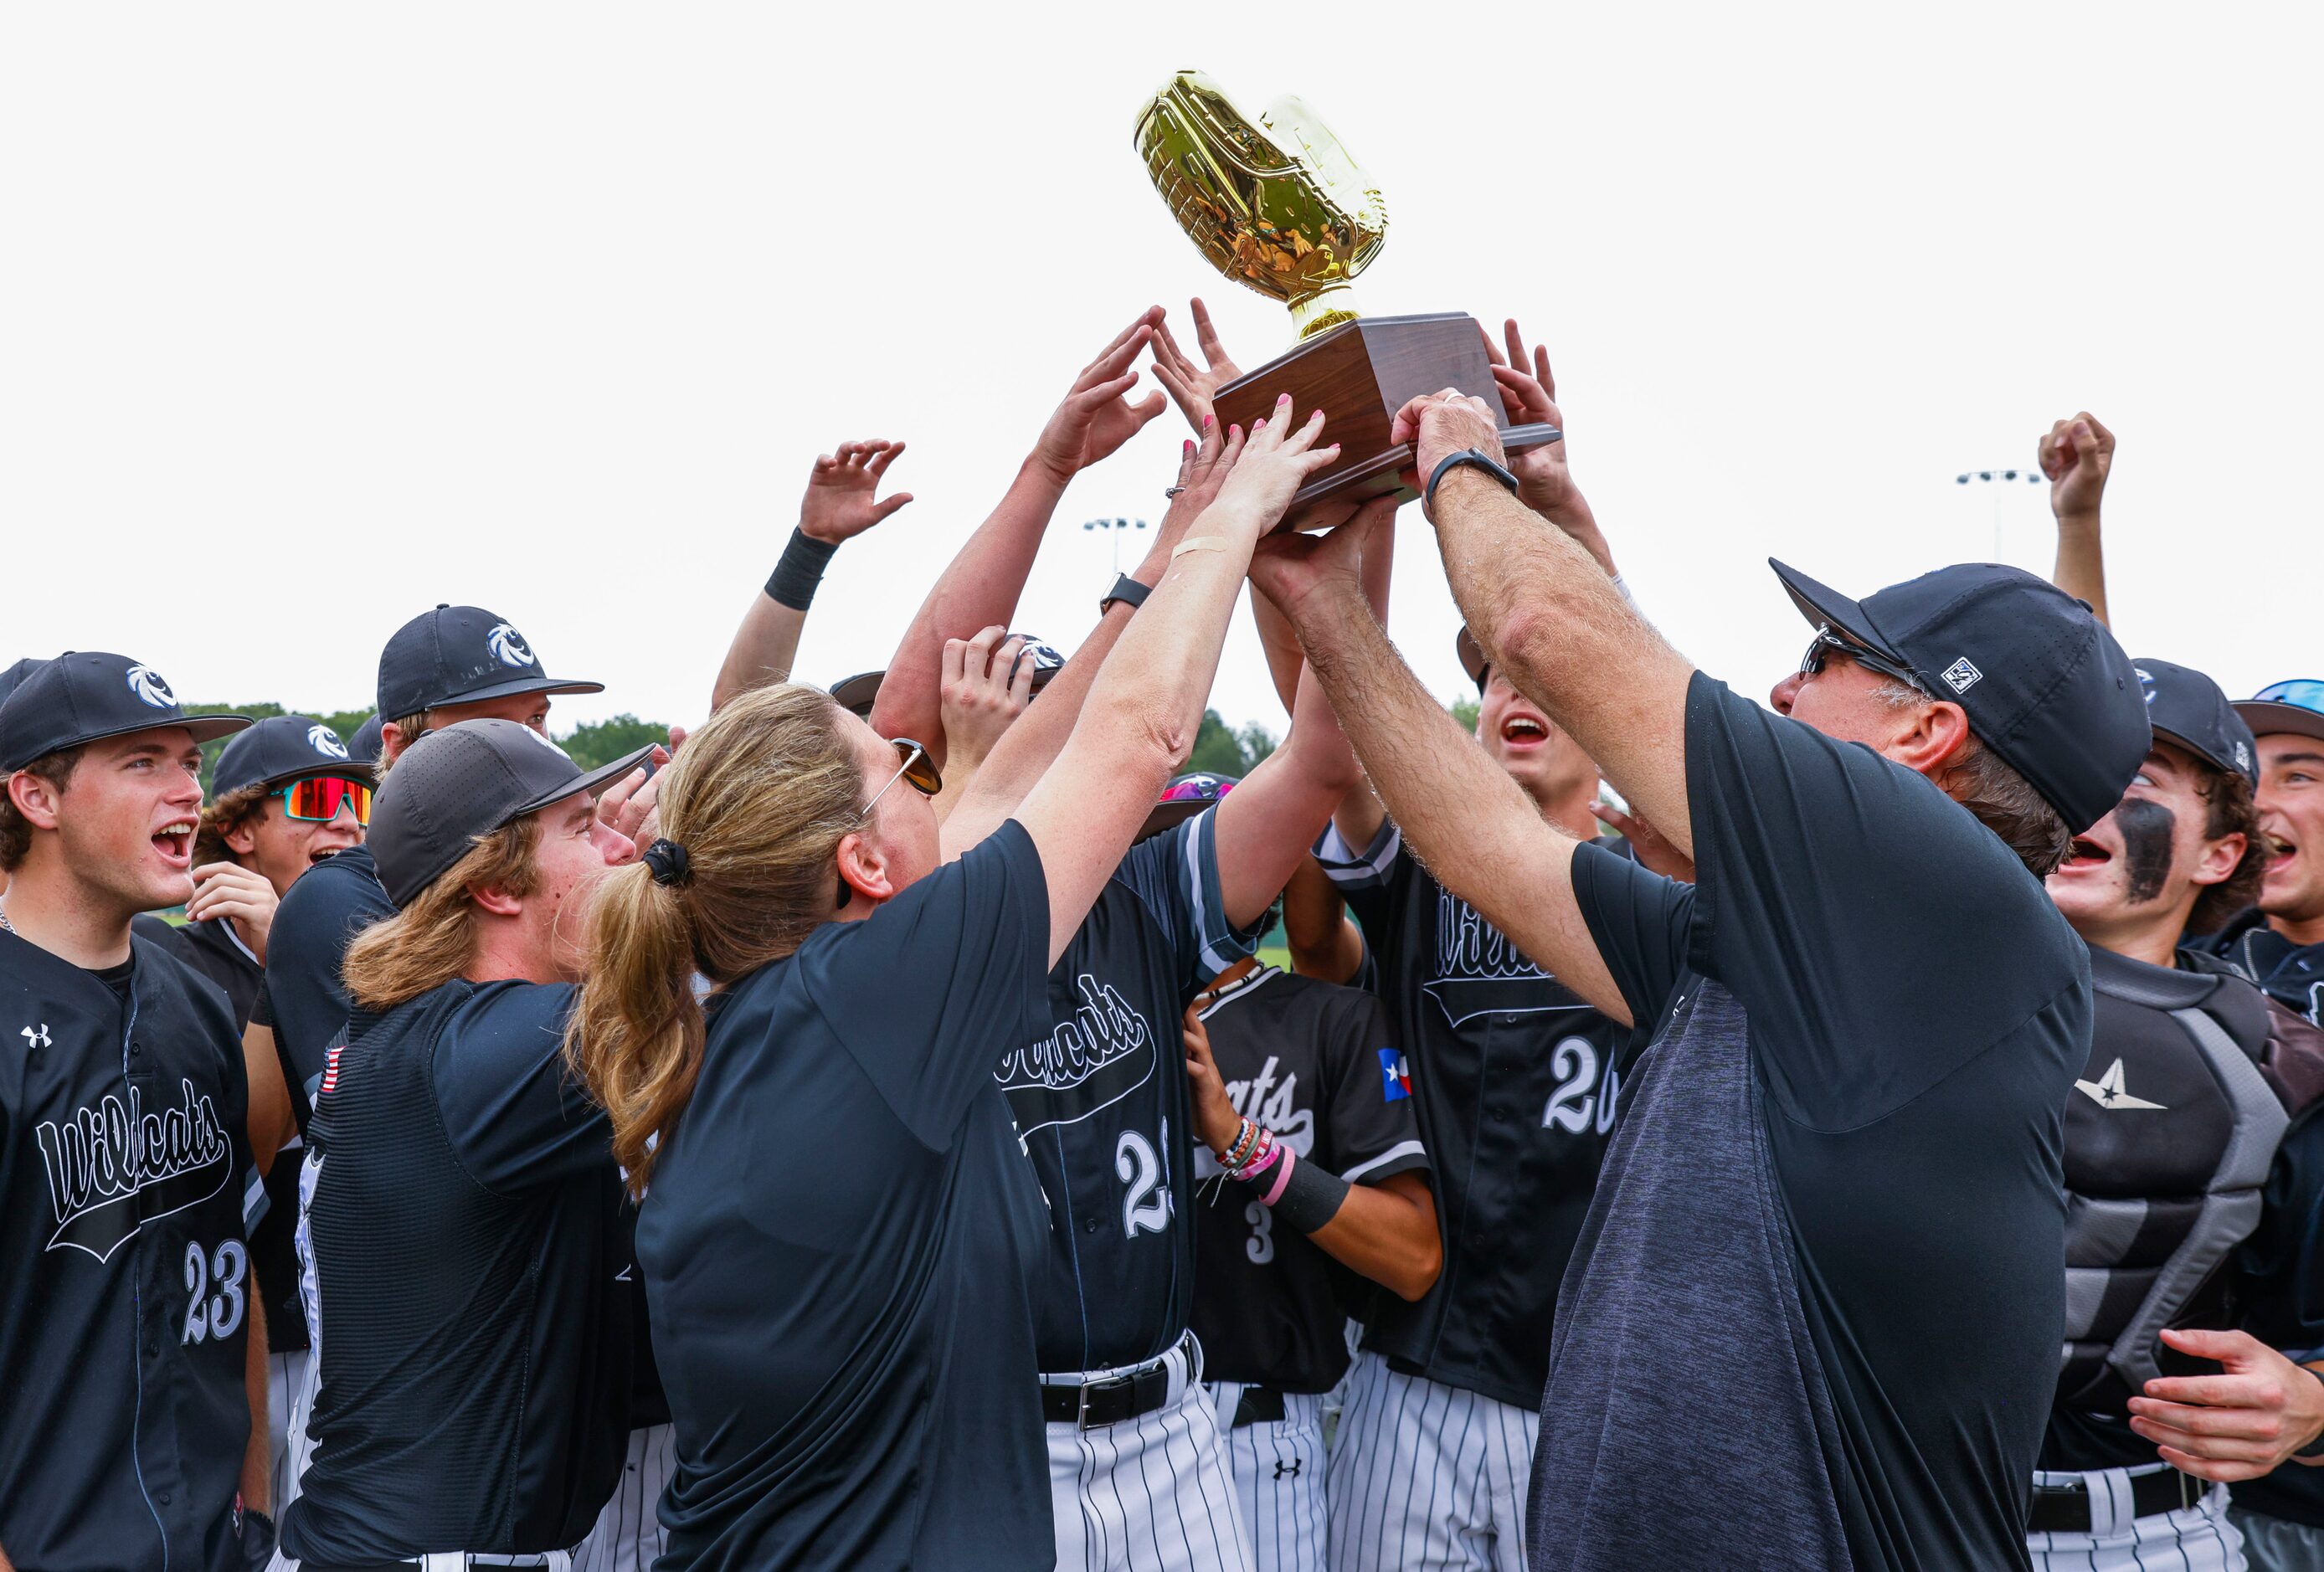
(1827, 644)
(318, 800)
(919, 770)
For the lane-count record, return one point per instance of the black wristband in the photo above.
(1311, 1197)
(1466, 456)
(1126, 590)
(797, 576)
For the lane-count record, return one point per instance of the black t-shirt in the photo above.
(1516, 1082)
(1321, 1067)
(125, 1185)
(1100, 1099)
(469, 1248)
(841, 1241)
(304, 1001)
(1837, 1183)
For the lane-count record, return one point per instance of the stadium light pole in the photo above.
(1114, 528)
(1999, 480)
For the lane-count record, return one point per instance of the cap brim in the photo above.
(1472, 654)
(1170, 815)
(523, 684)
(2265, 715)
(1821, 604)
(855, 693)
(590, 781)
(2165, 734)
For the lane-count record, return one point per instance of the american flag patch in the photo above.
(331, 1068)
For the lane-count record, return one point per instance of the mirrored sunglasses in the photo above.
(321, 797)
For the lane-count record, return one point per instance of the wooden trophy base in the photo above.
(1360, 373)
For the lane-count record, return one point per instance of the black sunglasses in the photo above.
(918, 771)
(1827, 644)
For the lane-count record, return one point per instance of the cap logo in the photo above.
(2145, 682)
(508, 646)
(326, 742)
(1961, 675)
(147, 685)
(2243, 756)
(549, 743)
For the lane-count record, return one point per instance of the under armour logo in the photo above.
(1287, 1467)
(2108, 1092)
(1961, 675)
(33, 1039)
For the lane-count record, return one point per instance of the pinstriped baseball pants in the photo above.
(1426, 1477)
(2198, 1538)
(1277, 1469)
(1150, 1493)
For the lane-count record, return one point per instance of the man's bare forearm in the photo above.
(1549, 616)
(2081, 568)
(977, 590)
(764, 649)
(1470, 824)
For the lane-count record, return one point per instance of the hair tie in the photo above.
(668, 862)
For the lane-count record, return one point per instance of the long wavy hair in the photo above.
(760, 798)
(432, 942)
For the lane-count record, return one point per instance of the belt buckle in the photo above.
(1111, 1383)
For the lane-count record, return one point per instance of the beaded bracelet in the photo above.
(1269, 1151)
(1238, 1152)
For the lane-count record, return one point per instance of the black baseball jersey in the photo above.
(216, 952)
(126, 1186)
(1516, 1080)
(1319, 1065)
(2290, 974)
(304, 1003)
(470, 1252)
(1101, 1104)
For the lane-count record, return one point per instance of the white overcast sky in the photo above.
(311, 316)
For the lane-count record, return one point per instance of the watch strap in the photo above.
(1126, 589)
(1467, 458)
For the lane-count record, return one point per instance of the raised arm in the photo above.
(1146, 703)
(1478, 832)
(981, 585)
(1547, 614)
(2076, 455)
(1030, 745)
(841, 501)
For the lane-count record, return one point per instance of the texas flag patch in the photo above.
(1395, 1079)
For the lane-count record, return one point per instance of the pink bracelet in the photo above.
(1270, 1152)
(1282, 1179)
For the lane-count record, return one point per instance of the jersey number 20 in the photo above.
(1574, 1061)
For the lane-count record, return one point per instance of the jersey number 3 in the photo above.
(1146, 1206)
(214, 1314)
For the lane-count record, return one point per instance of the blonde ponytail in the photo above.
(760, 798)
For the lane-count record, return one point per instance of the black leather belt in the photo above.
(2065, 1508)
(1095, 1403)
(1259, 1405)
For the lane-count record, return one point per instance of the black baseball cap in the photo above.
(364, 747)
(281, 748)
(14, 677)
(2041, 681)
(1473, 656)
(857, 693)
(2189, 709)
(83, 695)
(2296, 706)
(459, 654)
(465, 781)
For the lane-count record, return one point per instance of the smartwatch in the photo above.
(1125, 589)
(1467, 456)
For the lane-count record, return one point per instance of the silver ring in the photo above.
(1173, 492)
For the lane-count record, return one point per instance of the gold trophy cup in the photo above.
(1277, 204)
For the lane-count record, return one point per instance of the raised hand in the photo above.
(628, 804)
(1097, 416)
(985, 687)
(1543, 483)
(842, 491)
(1276, 460)
(1215, 1120)
(1649, 845)
(2076, 455)
(1439, 425)
(1193, 388)
(1288, 566)
(1204, 466)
